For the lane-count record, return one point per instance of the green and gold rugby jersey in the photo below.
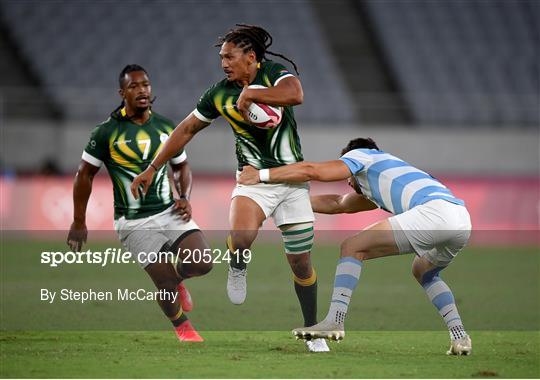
(261, 148)
(127, 149)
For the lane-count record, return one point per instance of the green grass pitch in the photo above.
(265, 354)
(392, 329)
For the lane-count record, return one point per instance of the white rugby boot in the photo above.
(461, 346)
(317, 345)
(325, 329)
(237, 285)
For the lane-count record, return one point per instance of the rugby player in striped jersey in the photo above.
(428, 220)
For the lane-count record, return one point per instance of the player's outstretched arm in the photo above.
(82, 188)
(183, 180)
(329, 171)
(340, 204)
(181, 135)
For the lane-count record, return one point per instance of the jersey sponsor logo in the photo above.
(120, 142)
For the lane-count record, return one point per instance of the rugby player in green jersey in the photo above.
(243, 59)
(126, 143)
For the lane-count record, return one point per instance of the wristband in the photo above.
(183, 196)
(154, 167)
(264, 175)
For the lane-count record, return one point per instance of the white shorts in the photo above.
(436, 230)
(150, 234)
(285, 203)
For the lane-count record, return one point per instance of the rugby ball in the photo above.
(264, 116)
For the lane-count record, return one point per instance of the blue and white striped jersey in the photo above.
(393, 184)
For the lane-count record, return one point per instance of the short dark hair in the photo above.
(359, 143)
(129, 69)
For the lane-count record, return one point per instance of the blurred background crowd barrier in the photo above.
(450, 86)
(502, 210)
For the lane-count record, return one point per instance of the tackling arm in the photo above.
(328, 171)
(340, 204)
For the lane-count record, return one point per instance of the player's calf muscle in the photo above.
(169, 283)
(163, 276)
(300, 265)
(190, 243)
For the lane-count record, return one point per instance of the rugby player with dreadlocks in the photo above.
(243, 53)
(126, 143)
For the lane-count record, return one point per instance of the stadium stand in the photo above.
(371, 82)
(419, 62)
(22, 96)
(473, 62)
(82, 45)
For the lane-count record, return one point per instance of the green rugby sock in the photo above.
(179, 318)
(237, 260)
(306, 290)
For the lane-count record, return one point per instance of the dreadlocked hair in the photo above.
(126, 70)
(253, 37)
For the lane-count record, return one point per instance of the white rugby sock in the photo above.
(442, 298)
(347, 275)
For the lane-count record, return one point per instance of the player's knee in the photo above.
(204, 268)
(188, 270)
(349, 248)
(426, 277)
(417, 273)
(240, 240)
